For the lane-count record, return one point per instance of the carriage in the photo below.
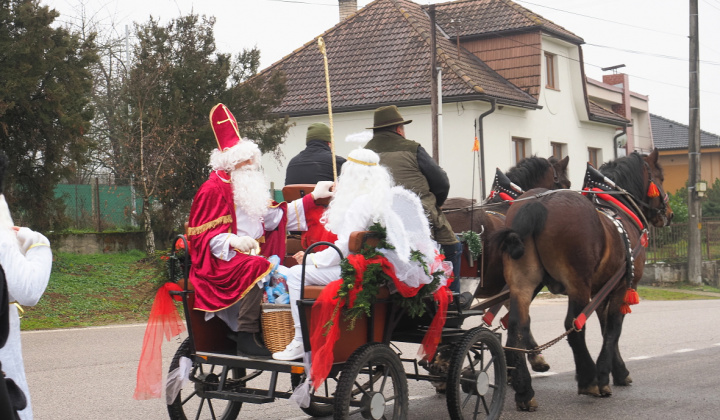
(369, 376)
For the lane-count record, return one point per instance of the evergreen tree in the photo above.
(176, 77)
(45, 88)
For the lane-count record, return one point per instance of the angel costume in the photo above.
(26, 259)
(398, 210)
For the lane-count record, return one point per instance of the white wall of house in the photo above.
(562, 119)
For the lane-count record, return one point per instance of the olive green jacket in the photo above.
(412, 168)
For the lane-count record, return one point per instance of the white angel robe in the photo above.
(27, 277)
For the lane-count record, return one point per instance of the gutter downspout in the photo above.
(481, 139)
(615, 145)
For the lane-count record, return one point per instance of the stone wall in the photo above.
(97, 243)
(675, 273)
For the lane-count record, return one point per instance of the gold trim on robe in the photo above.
(209, 225)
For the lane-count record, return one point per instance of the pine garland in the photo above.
(474, 243)
(373, 279)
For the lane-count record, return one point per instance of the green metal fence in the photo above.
(670, 244)
(100, 206)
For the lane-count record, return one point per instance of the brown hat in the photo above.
(318, 131)
(387, 116)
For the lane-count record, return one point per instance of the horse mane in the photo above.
(627, 172)
(526, 173)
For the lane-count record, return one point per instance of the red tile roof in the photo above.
(600, 114)
(474, 18)
(381, 55)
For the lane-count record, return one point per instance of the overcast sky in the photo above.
(649, 36)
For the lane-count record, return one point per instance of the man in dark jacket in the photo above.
(413, 168)
(314, 163)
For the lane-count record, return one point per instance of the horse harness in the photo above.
(603, 188)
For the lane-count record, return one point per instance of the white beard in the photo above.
(250, 191)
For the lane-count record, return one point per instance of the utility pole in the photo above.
(433, 86)
(694, 207)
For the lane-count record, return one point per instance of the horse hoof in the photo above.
(622, 382)
(591, 390)
(605, 391)
(538, 363)
(530, 406)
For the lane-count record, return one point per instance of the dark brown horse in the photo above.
(562, 240)
(533, 172)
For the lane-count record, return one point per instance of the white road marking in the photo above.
(639, 357)
(683, 350)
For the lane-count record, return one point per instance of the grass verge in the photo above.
(96, 289)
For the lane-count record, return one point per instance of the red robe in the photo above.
(218, 283)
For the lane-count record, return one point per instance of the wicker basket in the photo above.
(277, 325)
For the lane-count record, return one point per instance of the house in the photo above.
(509, 77)
(671, 138)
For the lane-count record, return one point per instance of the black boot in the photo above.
(249, 345)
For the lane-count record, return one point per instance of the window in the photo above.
(520, 149)
(594, 156)
(558, 150)
(551, 71)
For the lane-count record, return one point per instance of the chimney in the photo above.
(622, 81)
(347, 8)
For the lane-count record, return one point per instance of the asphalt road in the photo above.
(671, 348)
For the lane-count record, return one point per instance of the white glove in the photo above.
(322, 190)
(28, 238)
(243, 244)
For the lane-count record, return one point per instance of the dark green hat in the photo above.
(386, 116)
(318, 131)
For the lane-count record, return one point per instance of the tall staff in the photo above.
(321, 44)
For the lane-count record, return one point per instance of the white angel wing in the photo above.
(407, 226)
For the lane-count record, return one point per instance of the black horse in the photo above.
(560, 239)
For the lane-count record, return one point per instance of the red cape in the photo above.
(218, 283)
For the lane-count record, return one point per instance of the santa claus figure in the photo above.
(26, 261)
(234, 227)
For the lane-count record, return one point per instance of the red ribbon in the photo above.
(163, 320)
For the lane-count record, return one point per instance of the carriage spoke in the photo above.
(212, 411)
(361, 389)
(489, 364)
(370, 377)
(487, 409)
(477, 406)
(202, 402)
(192, 394)
(464, 403)
(384, 379)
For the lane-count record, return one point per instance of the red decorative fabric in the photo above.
(653, 190)
(632, 297)
(322, 340)
(218, 283)
(623, 207)
(165, 321)
(506, 197)
(276, 240)
(316, 231)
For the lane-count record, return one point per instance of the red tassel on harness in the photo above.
(625, 309)
(653, 191)
(631, 297)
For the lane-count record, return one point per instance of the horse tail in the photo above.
(529, 221)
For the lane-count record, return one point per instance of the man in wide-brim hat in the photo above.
(413, 168)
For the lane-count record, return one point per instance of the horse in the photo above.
(575, 245)
(532, 172)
